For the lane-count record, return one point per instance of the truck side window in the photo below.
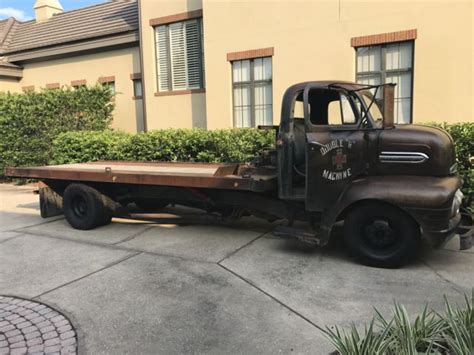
(341, 112)
(331, 107)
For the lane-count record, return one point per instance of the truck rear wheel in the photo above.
(84, 207)
(381, 235)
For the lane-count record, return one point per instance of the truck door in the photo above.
(336, 144)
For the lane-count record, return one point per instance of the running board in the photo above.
(296, 233)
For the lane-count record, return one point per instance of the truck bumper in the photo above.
(461, 224)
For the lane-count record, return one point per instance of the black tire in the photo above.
(381, 235)
(150, 205)
(84, 207)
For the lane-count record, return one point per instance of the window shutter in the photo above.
(178, 56)
(193, 54)
(162, 58)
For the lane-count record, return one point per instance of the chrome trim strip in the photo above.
(403, 157)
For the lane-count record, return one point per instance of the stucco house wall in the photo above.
(309, 40)
(174, 109)
(119, 64)
(312, 41)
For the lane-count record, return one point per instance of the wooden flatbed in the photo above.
(197, 175)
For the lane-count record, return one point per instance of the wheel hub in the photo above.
(79, 206)
(380, 234)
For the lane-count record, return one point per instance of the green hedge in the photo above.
(29, 122)
(227, 145)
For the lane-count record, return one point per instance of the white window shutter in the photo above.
(178, 56)
(193, 54)
(162, 54)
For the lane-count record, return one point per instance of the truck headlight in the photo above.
(457, 201)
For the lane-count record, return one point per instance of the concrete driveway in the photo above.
(136, 287)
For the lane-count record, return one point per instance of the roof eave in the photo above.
(69, 48)
(11, 72)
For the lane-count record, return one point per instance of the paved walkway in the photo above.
(144, 288)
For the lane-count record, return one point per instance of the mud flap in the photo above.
(51, 203)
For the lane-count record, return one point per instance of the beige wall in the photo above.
(119, 63)
(312, 42)
(8, 84)
(179, 111)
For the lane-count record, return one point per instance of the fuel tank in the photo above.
(415, 150)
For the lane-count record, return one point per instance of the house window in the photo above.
(111, 85)
(179, 55)
(252, 92)
(390, 63)
(77, 84)
(137, 88)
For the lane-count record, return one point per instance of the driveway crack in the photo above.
(89, 274)
(242, 247)
(453, 285)
(292, 310)
(133, 236)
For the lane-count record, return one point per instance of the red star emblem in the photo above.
(339, 159)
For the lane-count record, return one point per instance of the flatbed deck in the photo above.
(199, 175)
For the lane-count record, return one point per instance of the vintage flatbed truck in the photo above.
(338, 156)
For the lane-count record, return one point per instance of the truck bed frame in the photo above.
(197, 175)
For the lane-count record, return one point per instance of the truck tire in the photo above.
(84, 207)
(381, 235)
(150, 204)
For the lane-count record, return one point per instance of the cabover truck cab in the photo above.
(338, 157)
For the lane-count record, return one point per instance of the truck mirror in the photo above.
(388, 105)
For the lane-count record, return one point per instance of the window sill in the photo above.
(179, 92)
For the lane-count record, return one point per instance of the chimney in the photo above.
(45, 9)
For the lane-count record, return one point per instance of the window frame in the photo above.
(312, 127)
(172, 90)
(251, 84)
(134, 82)
(111, 85)
(383, 71)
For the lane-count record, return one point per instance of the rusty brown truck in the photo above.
(338, 156)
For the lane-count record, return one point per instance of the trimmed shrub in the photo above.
(29, 122)
(85, 146)
(226, 145)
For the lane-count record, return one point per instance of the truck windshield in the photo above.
(375, 108)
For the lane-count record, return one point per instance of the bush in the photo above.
(430, 333)
(227, 145)
(29, 122)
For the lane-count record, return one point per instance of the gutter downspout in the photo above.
(140, 46)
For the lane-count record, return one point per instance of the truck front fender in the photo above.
(426, 199)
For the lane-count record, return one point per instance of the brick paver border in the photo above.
(31, 327)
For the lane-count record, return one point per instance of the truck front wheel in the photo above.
(381, 235)
(84, 207)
